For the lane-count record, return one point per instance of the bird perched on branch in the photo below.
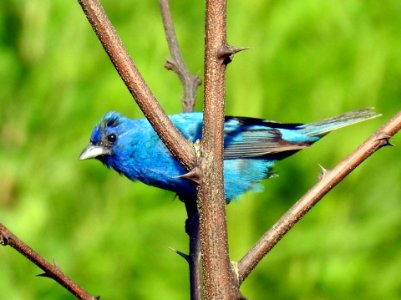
(251, 147)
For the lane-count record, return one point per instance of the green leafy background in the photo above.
(308, 60)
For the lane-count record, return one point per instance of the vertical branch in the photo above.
(192, 229)
(218, 279)
(190, 84)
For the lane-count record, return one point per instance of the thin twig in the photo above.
(181, 148)
(176, 63)
(329, 179)
(7, 238)
(219, 281)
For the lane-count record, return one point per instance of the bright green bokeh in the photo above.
(308, 60)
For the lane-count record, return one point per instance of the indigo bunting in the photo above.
(251, 147)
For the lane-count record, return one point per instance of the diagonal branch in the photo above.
(7, 238)
(328, 180)
(181, 148)
(176, 63)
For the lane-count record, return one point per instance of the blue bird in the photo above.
(251, 147)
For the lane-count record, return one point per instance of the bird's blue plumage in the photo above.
(251, 147)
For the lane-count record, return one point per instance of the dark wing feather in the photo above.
(251, 138)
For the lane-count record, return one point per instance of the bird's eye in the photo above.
(112, 138)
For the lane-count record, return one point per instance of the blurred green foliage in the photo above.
(308, 60)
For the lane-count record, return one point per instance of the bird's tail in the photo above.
(321, 128)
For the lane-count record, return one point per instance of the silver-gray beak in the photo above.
(93, 151)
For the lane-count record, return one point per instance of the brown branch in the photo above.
(218, 279)
(181, 148)
(176, 63)
(329, 179)
(190, 84)
(7, 238)
(192, 229)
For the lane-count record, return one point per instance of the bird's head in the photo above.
(104, 138)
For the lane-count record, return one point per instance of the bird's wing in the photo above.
(249, 137)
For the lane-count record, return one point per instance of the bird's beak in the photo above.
(93, 151)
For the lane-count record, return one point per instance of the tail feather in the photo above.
(321, 128)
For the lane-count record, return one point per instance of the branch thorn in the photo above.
(44, 274)
(3, 240)
(192, 175)
(384, 138)
(182, 254)
(323, 173)
(227, 53)
(55, 263)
